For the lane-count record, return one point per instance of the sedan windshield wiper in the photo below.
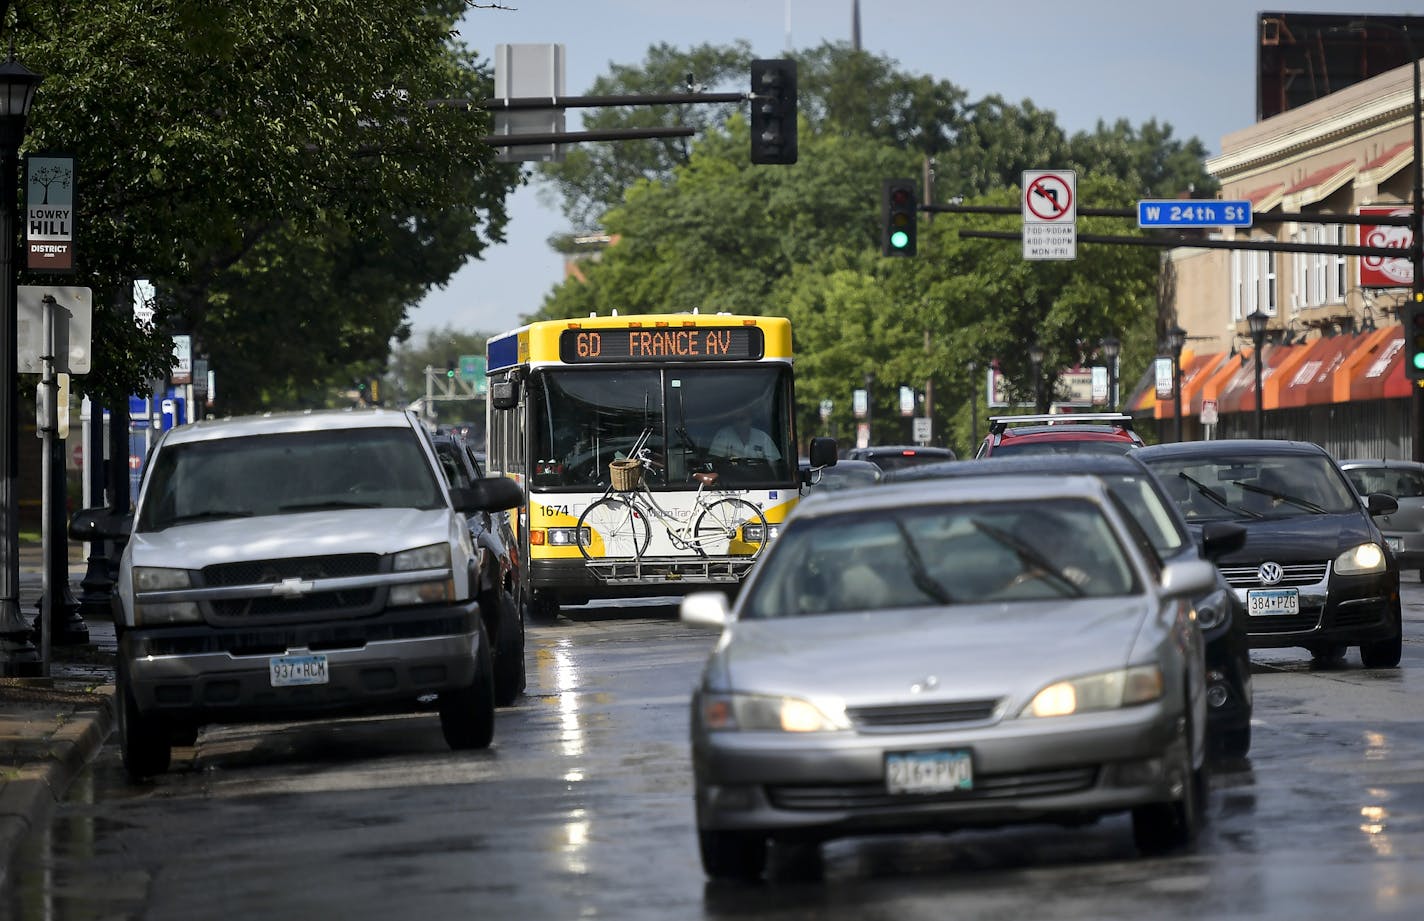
(918, 574)
(1217, 497)
(1281, 497)
(1028, 555)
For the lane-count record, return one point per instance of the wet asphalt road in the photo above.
(583, 810)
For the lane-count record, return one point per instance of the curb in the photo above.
(28, 798)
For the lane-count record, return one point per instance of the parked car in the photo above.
(298, 565)
(1059, 433)
(1403, 528)
(1315, 571)
(844, 474)
(945, 653)
(893, 457)
(1220, 613)
(497, 563)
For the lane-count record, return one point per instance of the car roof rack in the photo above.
(997, 424)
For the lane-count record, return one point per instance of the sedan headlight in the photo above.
(757, 713)
(1364, 558)
(1105, 691)
(157, 579)
(1213, 610)
(435, 591)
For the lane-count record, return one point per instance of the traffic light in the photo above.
(450, 367)
(898, 208)
(774, 111)
(1412, 317)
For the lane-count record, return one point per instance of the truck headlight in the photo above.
(1104, 691)
(147, 613)
(433, 591)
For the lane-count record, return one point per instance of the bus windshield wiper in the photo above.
(1217, 497)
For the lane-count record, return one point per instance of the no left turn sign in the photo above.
(1050, 196)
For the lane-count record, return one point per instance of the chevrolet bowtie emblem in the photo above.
(292, 588)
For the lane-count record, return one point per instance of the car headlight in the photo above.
(1364, 558)
(157, 613)
(1213, 610)
(1105, 691)
(758, 713)
(434, 591)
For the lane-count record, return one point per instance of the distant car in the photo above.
(497, 562)
(1403, 528)
(1220, 614)
(1315, 571)
(1059, 433)
(893, 457)
(845, 474)
(940, 654)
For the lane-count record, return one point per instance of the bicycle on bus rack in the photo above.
(709, 528)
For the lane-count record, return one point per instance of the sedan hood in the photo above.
(972, 651)
(1300, 539)
(227, 540)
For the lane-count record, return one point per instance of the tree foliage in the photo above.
(272, 167)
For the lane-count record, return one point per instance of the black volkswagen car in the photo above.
(1220, 612)
(1315, 571)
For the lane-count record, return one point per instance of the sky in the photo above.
(1188, 63)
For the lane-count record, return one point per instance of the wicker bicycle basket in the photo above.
(626, 474)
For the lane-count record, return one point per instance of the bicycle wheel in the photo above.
(720, 529)
(618, 527)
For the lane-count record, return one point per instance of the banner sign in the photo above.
(1386, 271)
(49, 217)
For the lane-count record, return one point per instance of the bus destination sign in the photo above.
(661, 343)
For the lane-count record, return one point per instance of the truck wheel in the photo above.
(467, 714)
(509, 669)
(143, 739)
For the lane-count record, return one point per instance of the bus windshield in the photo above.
(735, 422)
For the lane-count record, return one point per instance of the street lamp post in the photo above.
(1176, 338)
(17, 90)
(1112, 348)
(1256, 321)
(1035, 355)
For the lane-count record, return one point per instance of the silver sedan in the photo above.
(943, 654)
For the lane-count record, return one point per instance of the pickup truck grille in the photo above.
(259, 572)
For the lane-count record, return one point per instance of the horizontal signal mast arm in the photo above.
(1265, 246)
(1278, 217)
(586, 102)
(570, 137)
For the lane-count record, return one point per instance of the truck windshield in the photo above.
(272, 474)
(732, 421)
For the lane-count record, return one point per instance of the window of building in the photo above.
(1336, 293)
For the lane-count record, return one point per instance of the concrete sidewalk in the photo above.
(50, 728)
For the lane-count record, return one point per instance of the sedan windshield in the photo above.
(298, 471)
(941, 555)
(1251, 487)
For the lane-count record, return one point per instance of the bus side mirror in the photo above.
(823, 452)
(504, 394)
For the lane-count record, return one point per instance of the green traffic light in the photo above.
(899, 239)
(1418, 360)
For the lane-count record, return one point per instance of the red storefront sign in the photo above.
(1381, 271)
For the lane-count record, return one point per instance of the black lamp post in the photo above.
(1256, 321)
(1111, 348)
(17, 90)
(1035, 355)
(1176, 338)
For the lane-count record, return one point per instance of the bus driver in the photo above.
(743, 441)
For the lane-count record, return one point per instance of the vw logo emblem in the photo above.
(1270, 573)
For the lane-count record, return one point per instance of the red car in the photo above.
(1059, 433)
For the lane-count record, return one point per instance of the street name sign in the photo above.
(1050, 214)
(1186, 213)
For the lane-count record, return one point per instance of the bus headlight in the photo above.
(752, 533)
(569, 537)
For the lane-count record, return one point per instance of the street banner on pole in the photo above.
(49, 218)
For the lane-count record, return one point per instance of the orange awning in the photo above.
(1311, 382)
(1239, 393)
(1382, 374)
(1347, 381)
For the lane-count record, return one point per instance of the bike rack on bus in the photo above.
(712, 569)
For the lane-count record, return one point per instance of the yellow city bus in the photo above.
(632, 435)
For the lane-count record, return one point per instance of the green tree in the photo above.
(239, 154)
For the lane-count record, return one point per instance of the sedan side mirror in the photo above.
(705, 609)
(1220, 538)
(1381, 504)
(1188, 578)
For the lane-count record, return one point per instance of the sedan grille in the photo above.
(898, 716)
(874, 795)
(1293, 574)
